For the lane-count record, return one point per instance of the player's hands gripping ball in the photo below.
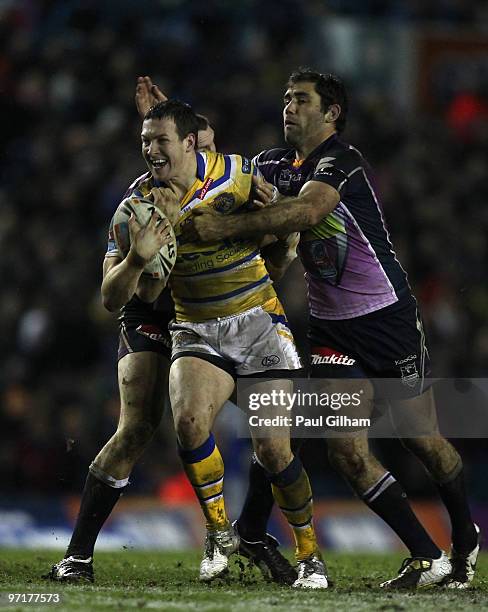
(144, 230)
(167, 201)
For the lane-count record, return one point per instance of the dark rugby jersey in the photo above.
(350, 265)
(136, 312)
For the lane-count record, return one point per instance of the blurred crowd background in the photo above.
(417, 77)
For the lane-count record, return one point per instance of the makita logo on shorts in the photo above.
(329, 356)
(154, 333)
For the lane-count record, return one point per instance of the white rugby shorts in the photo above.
(244, 344)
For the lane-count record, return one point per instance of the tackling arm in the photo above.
(290, 214)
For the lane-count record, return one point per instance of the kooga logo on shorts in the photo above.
(270, 360)
(330, 357)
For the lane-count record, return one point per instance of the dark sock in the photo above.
(389, 501)
(257, 505)
(453, 494)
(259, 501)
(97, 502)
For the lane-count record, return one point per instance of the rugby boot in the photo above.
(312, 573)
(219, 545)
(463, 566)
(72, 569)
(265, 554)
(420, 572)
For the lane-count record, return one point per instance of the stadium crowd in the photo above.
(71, 147)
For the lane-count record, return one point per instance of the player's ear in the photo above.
(332, 114)
(191, 142)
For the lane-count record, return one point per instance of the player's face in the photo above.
(162, 148)
(302, 114)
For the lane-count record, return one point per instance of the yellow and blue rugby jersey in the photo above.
(223, 278)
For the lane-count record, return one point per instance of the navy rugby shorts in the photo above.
(385, 344)
(151, 337)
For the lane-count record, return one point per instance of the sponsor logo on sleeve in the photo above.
(205, 188)
(324, 167)
(324, 163)
(246, 166)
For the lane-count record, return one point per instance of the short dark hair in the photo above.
(330, 88)
(185, 119)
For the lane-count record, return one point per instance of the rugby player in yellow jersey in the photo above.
(228, 322)
(143, 366)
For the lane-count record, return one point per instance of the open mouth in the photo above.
(158, 163)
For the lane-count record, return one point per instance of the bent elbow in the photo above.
(317, 208)
(109, 303)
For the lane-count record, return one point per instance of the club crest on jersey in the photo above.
(328, 356)
(153, 332)
(287, 177)
(224, 202)
(284, 179)
(410, 375)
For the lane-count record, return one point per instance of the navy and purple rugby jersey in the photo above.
(351, 269)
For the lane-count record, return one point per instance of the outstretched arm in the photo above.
(287, 214)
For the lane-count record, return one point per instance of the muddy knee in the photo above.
(273, 458)
(191, 429)
(133, 439)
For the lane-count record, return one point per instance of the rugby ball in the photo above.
(163, 262)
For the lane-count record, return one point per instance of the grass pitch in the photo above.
(169, 581)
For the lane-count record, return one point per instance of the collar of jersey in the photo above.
(201, 166)
(201, 170)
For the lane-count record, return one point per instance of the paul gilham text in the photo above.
(332, 420)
